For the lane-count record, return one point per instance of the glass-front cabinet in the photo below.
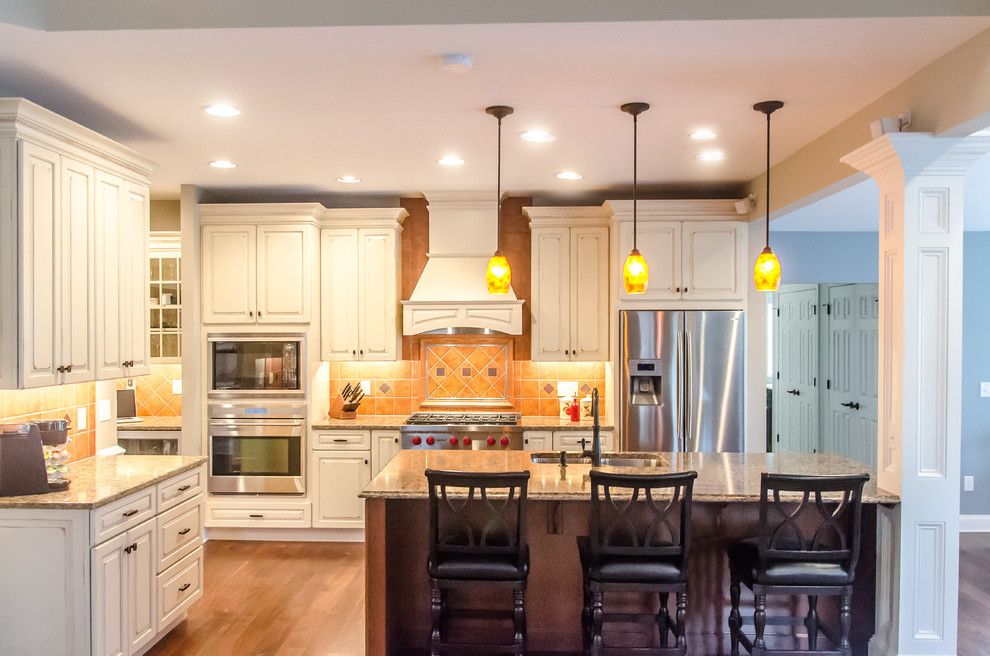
(165, 282)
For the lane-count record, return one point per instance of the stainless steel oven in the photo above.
(270, 365)
(257, 447)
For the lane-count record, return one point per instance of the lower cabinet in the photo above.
(338, 478)
(537, 440)
(384, 446)
(580, 440)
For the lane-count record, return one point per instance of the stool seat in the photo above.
(629, 569)
(473, 567)
(744, 560)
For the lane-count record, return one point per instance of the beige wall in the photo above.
(164, 215)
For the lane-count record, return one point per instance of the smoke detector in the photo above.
(455, 63)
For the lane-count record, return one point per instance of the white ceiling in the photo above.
(370, 101)
(857, 208)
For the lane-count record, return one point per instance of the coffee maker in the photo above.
(22, 461)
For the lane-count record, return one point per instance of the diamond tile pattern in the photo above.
(457, 372)
(153, 393)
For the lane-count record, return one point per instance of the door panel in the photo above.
(588, 287)
(229, 275)
(109, 603)
(377, 312)
(795, 394)
(339, 294)
(551, 294)
(340, 477)
(134, 290)
(660, 244)
(867, 340)
(713, 381)
(283, 274)
(110, 347)
(711, 254)
(141, 590)
(76, 248)
(39, 182)
(650, 335)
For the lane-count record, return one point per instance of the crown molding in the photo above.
(564, 216)
(388, 217)
(910, 154)
(667, 210)
(261, 213)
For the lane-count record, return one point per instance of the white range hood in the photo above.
(451, 295)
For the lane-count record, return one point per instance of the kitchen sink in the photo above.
(554, 459)
(621, 460)
(608, 460)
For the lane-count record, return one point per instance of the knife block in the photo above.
(337, 409)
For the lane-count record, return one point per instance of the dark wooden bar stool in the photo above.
(639, 536)
(477, 537)
(808, 545)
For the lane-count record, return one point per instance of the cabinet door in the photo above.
(340, 477)
(551, 288)
(339, 294)
(108, 205)
(659, 242)
(76, 281)
(134, 291)
(377, 311)
(283, 274)
(589, 294)
(538, 441)
(228, 269)
(712, 253)
(141, 593)
(384, 446)
(109, 603)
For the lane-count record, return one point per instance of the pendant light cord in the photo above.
(768, 181)
(498, 191)
(635, 173)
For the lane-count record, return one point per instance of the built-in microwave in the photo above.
(256, 364)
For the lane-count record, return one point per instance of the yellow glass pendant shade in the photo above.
(635, 273)
(498, 275)
(766, 273)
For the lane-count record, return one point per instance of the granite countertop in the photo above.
(100, 480)
(153, 424)
(722, 477)
(372, 422)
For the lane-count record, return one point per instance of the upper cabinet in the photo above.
(72, 252)
(360, 264)
(258, 262)
(693, 248)
(570, 306)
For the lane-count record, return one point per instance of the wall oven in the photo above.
(256, 364)
(257, 447)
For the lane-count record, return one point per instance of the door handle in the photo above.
(185, 587)
(852, 405)
(256, 516)
(130, 513)
(795, 392)
(184, 531)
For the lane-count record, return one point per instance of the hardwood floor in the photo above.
(307, 599)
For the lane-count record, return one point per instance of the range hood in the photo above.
(451, 295)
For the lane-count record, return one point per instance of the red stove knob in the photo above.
(417, 440)
(505, 441)
(453, 441)
(466, 441)
(430, 440)
(491, 441)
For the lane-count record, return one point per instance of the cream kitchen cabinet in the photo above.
(72, 247)
(256, 274)
(574, 441)
(338, 478)
(384, 446)
(537, 441)
(570, 305)
(124, 616)
(359, 293)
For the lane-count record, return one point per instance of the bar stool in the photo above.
(639, 536)
(808, 545)
(477, 537)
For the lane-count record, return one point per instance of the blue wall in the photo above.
(976, 368)
(807, 257)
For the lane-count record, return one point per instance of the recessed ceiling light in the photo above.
(538, 136)
(450, 160)
(704, 134)
(349, 179)
(222, 110)
(455, 63)
(711, 156)
(223, 164)
(569, 175)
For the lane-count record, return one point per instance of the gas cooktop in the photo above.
(475, 431)
(463, 419)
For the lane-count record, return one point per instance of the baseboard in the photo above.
(974, 523)
(285, 534)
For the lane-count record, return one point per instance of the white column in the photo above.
(921, 250)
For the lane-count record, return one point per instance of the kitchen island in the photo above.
(726, 496)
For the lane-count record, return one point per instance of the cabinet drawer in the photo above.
(259, 515)
(571, 440)
(537, 440)
(179, 587)
(343, 440)
(180, 530)
(121, 515)
(181, 488)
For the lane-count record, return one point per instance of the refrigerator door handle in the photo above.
(681, 396)
(688, 391)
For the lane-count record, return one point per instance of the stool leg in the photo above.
(735, 617)
(586, 616)
(436, 615)
(681, 618)
(811, 622)
(597, 621)
(760, 620)
(845, 622)
(519, 619)
(663, 618)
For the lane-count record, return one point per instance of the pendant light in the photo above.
(498, 275)
(635, 273)
(766, 273)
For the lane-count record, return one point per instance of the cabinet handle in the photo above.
(361, 352)
(130, 513)
(366, 461)
(127, 550)
(256, 516)
(68, 368)
(184, 488)
(184, 531)
(61, 370)
(185, 587)
(134, 547)
(353, 351)
(259, 314)
(250, 313)
(396, 440)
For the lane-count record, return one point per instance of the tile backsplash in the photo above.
(64, 401)
(153, 393)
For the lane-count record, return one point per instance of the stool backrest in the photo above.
(477, 513)
(811, 519)
(645, 515)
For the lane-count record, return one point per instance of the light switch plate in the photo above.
(985, 390)
(968, 483)
(81, 419)
(104, 410)
(366, 387)
(177, 386)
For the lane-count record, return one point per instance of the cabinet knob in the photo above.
(68, 368)
(361, 352)
(259, 314)
(61, 370)
(366, 461)
(250, 313)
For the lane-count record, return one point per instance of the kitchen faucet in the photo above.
(596, 433)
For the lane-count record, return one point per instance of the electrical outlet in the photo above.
(104, 410)
(81, 419)
(985, 390)
(366, 387)
(968, 483)
(177, 386)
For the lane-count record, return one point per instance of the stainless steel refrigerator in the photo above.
(681, 380)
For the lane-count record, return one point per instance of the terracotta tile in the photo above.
(549, 407)
(529, 407)
(384, 406)
(402, 406)
(403, 388)
(531, 389)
